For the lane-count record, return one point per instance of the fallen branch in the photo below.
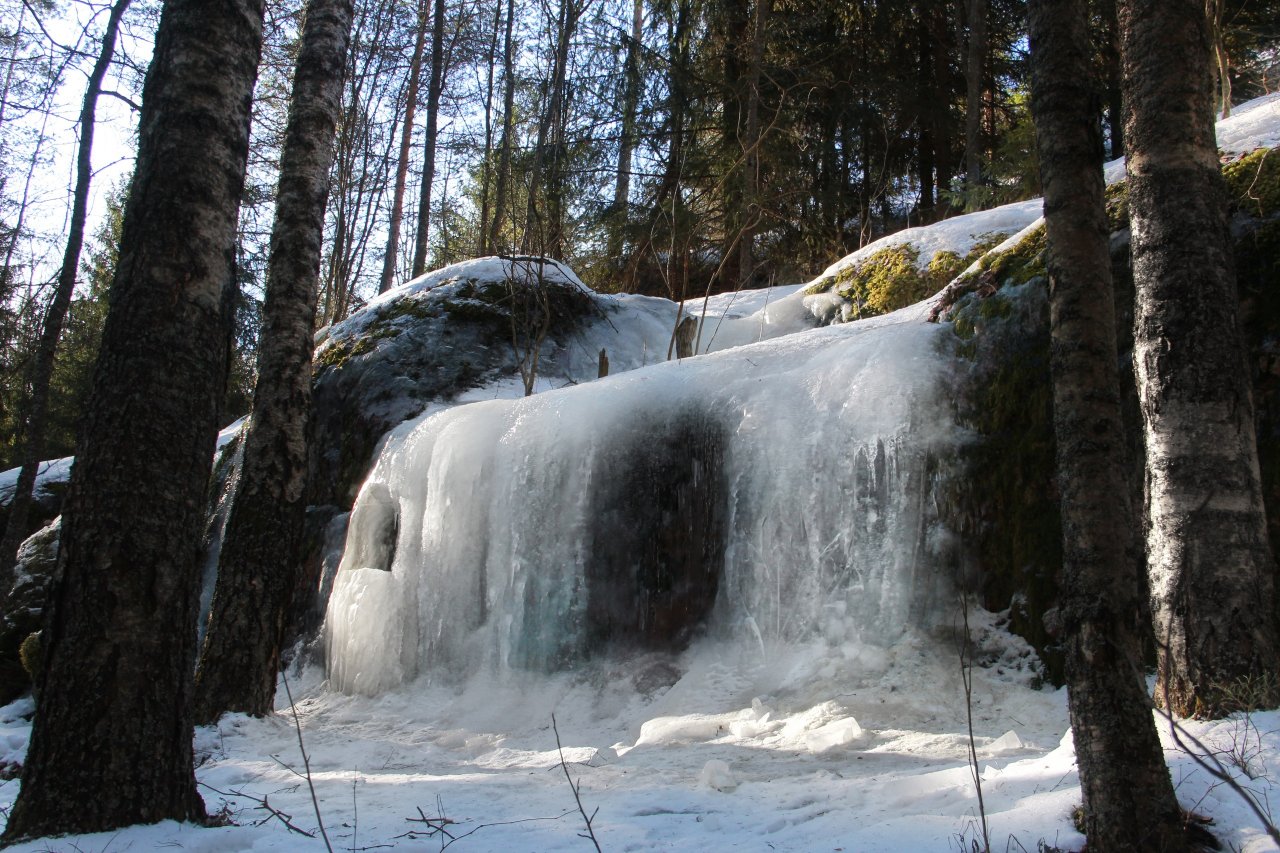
(264, 805)
(436, 825)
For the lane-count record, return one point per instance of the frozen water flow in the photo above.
(488, 534)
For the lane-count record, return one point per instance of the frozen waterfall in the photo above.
(781, 491)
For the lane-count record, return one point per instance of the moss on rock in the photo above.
(1253, 182)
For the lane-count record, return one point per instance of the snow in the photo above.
(808, 717)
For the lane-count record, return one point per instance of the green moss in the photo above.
(1116, 197)
(1004, 504)
(1020, 264)
(945, 265)
(1253, 182)
(985, 242)
(338, 353)
(31, 654)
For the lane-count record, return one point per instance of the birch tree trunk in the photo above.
(1129, 802)
(1209, 558)
(111, 744)
(258, 562)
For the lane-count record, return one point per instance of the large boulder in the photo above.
(22, 607)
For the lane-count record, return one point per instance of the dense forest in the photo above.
(658, 148)
(293, 162)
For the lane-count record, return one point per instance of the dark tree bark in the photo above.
(1208, 554)
(544, 223)
(55, 316)
(975, 62)
(503, 176)
(486, 165)
(402, 165)
(434, 88)
(111, 744)
(627, 141)
(1128, 797)
(751, 190)
(257, 566)
(1111, 76)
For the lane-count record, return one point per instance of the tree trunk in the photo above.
(503, 178)
(543, 232)
(1212, 572)
(1221, 64)
(111, 745)
(56, 315)
(1111, 76)
(486, 165)
(973, 74)
(751, 190)
(1129, 802)
(429, 144)
(627, 141)
(402, 165)
(259, 559)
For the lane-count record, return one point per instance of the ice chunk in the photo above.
(1007, 742)
(836, 733)
(717, 774)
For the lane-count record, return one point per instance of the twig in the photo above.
(590, 834)
(306, 762)
(1217, 771)
(966, 676)
(262, 803)
(437, 826)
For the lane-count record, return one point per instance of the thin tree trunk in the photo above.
(627, 140)
(56, 314)
(111, 744)
(503, 177)
(1111, 75)
(751, 167)
(402, 165)
(258, 563)
(1221, 64)
(543, 233)
(486, 165)
(974, 62)
(1129, 802)
(420, 244)
(1212, 572)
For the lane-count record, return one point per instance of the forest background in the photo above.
(674, 148)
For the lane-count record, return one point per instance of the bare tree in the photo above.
(55, 315)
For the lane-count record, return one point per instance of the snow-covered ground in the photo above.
(845, 740)
(795, 750)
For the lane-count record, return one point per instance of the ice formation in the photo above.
(780, 491)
